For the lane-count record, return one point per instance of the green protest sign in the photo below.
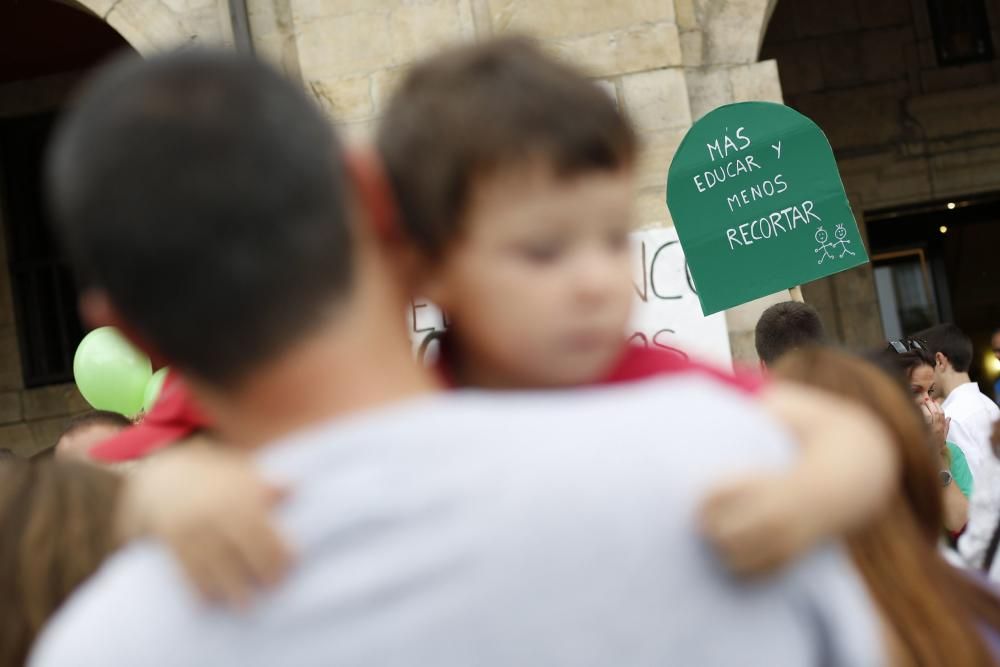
(758, 203)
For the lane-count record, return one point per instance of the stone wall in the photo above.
(30, 419)
(904, 129)
(666, 63)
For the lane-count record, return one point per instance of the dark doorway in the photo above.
(43, 44)
(937, 262)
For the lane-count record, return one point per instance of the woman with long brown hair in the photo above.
(57, 526)
(914, 366)
(934, 614)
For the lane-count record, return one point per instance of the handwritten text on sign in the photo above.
(666, 313)
(758, 204)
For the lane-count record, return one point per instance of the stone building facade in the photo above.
(666, 62)
(905, 129)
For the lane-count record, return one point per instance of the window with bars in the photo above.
(961, 31)
(48, 326)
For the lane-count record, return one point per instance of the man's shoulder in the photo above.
(968, 400)
(117, 616)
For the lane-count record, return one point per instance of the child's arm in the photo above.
(212, 509)
(847, 471)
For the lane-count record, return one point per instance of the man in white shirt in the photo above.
(972, 415)
(432, 529)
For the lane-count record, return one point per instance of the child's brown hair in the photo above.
(471, 110)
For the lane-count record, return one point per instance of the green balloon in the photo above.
(110, 373)
(153, 389)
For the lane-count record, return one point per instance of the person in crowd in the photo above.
(432, 527)
(972, 413)
(786, 327)
(995, 348)
(914, 366)
(88, 431)
(990, 563)
(57, 525)
(972, 416)
(935, 614)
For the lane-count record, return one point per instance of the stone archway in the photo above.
(730, 31)
(152, 25)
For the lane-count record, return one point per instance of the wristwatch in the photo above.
(946, 477)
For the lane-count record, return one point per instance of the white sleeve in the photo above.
(984, 512)
(960, 436)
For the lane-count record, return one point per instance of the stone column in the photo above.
(720, 41)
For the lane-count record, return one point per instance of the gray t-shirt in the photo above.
(490, 529)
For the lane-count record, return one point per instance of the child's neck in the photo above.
(468, 372)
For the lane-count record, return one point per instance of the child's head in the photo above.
(514, 178)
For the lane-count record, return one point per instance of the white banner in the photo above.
(666, 313)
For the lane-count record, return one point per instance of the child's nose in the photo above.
(597, 278)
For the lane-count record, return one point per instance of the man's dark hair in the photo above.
(95, 418)
(787, 326)
(952, 342)
(472, 110)
(205, 193)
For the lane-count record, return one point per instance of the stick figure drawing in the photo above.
(822, 238)
(840, 233)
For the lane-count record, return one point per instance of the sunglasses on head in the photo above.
(907, 344)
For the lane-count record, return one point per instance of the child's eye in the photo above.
(617, 241)
(541, 253)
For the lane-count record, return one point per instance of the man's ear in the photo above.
(941, 360)
(97, 310)
(431, 283)
(372, 193)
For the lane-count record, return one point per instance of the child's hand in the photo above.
(845, 474)
(756, 524)
(212, 510)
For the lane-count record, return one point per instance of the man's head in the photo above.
(202, 197)
(514, 178)
(785, 327)
(951, 348)
(87, 431)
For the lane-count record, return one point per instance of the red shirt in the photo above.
(175, 415)
(639, 363)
